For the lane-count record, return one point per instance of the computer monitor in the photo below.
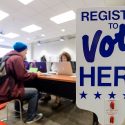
(41, 66)
(64, 68)
(26, 64)
(73, 64)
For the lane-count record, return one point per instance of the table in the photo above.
(62, 78)
(60, 85)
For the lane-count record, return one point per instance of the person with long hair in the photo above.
(64, 57)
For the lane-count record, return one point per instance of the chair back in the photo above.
(2, 106)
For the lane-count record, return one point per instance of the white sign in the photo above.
(101, 63)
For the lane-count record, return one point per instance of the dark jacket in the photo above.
(13, 86)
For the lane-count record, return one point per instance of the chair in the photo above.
(2, 123)
(6, 106)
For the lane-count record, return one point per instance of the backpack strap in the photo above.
(5, 58)
(3, 73)
(2, 63)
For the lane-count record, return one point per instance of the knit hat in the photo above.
(19, 46)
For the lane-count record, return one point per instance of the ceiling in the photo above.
(39, 12)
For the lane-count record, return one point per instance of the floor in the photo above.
(66, 114)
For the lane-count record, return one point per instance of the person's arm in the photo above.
(20, 72)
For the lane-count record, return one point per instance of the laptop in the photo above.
(73, 64)
(34, 70)
(64, 68)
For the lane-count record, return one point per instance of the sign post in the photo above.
(101, 63)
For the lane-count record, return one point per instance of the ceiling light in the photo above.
(11, 35)
(43, 35)
(3, 15)
(1, 35)
(31, 28)
(63, 30)
(64, 17)
(25, 2)
(61, 39)
(1, 40)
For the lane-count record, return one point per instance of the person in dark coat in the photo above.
(14, 83)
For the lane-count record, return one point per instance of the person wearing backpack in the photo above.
(13, 84)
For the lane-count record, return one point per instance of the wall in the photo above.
(29, 52)
(52, 50)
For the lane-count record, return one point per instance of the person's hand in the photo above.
(39, 74)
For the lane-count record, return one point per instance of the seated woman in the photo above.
(64, 57)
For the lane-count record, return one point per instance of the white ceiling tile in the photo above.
(60, 8)
(50, 3)
(74, 4)
(38, 5)
(12, 6)
(38, 12)
(27, 12)
(47, 13)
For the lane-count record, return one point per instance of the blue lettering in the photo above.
(90, 76)
(103, 17)
(117, 76)
(100, 76)
(123, 13)
(109, 15)
(93, 16)
(90, 54)
(119, 37)
(106, 52)
(85, 15)
(116, 15)
(107, 40)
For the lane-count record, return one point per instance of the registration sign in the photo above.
(101, 63)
